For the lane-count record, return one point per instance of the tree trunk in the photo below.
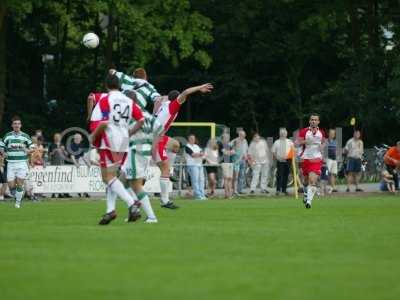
(110, 36)
(96, 56)
(64, 42)
(372, 12)
(254, 116)
(3, 60)
(293, 76)
(355, 26)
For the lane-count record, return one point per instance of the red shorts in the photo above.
(111, 159)
(161, 154)
(311, 166)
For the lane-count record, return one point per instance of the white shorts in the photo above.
(136, 165)
(17, 170)
(332, 166)
(227, 170)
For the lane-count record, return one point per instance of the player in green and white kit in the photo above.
(138, 160)
(17, 147)
(145, 92)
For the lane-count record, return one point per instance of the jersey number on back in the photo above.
(121, 113)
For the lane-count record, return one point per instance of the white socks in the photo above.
(132, 193)
(171, 160)
(146, 205)
(311, 190)
(111, 199)
(164, 184)
(116, 186)
(19, 193)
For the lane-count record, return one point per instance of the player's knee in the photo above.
(137, 185)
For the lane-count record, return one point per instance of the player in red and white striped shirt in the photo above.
(166, 113)
(312, 140)
(110, 126)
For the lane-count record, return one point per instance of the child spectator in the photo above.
(387, 183)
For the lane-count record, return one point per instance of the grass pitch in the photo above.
(343, 248)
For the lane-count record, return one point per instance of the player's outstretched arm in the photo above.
(204, 88)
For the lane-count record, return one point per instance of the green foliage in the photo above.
(272, 62)
(166, 28)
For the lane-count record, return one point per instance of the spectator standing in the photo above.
(354, 150)
(57, 155)
(392, 163)
(194, 162)
(226, 154)
(331, 161)
(239, 169)
(259, 157)
(36, 158)
(211, 157)
(57, 152)
(39, 134)
(283, 152)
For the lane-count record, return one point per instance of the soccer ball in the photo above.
(90, 40)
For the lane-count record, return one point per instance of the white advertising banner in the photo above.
(83, 179)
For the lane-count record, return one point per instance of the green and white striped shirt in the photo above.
(145, 92)
(16, 146)
(141, 142)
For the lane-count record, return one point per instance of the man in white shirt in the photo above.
(194, 162)
(259, 157)
(283, 152)
(354, 150)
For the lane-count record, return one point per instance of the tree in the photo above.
(140, 32)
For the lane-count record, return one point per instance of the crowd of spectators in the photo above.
(239, 165)
(234, 164)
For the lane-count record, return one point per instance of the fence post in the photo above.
(180, 180)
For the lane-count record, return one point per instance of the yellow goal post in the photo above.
(204, 131)
(210, 125)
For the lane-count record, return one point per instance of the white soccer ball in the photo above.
(90, 40)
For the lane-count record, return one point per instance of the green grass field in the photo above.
(344, 248)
